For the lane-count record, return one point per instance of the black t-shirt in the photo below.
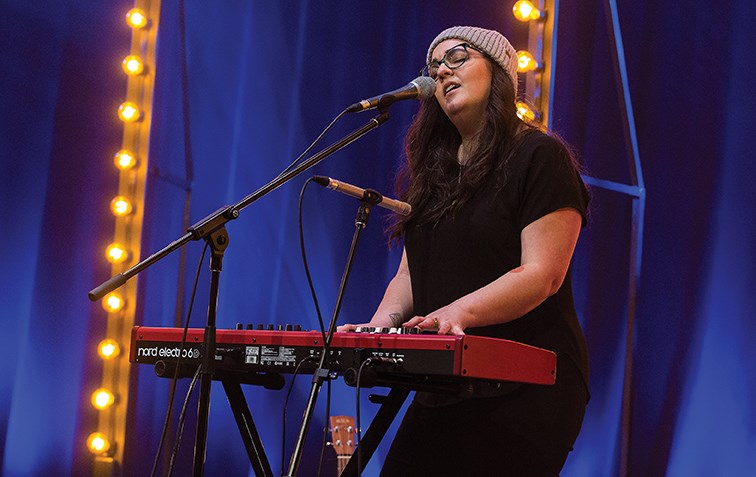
(479, 243)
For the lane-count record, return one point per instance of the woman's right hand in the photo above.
(349, 327)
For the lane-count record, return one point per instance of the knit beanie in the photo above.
(489, 42)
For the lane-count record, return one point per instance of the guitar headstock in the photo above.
(342, 435)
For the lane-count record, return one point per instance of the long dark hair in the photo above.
(431, 148)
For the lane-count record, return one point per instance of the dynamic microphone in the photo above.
(421, 87)
(393, 205)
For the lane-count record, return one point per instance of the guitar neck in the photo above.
(341, 463)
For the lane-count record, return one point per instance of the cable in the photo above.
(285, 406)
(325, 427)
(358, 433)
(172, 392)
(180, 427)
(317, 139)
(304, 260)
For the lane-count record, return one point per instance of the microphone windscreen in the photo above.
(322, 180)
(426, 87)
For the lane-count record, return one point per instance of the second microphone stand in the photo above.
(323, 372)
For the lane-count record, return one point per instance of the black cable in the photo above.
(325, 427)
(309, 148)
(285, 406)
(304, 259)
(182, 416)
(323, 331)
(358, 431)
(172, 392)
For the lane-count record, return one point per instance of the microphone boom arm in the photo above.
(219, 218)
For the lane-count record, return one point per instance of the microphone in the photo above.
(393, 205)
(421, 87)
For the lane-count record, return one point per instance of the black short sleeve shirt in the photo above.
(480, 242)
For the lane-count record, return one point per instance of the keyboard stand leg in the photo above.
(378, 427)
(247, 428)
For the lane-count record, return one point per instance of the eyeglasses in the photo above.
(454, 58)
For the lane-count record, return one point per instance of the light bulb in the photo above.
(98, 443)
(108, 349)
(526, 62)
(524, 112)
(132, 65)
(136, 18)
(102, 399)
(125, 159)
(526, 11)
(113, 302)
(121, 206)
(116, 253)
(129, 112)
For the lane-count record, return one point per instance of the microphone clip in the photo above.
(371, 197)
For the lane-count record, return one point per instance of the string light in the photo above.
(136, 18)
(108, 349)
(132, 65)
(102, 399)
(116, 253)
(125, 159)
(98, 443)
(113, 302)
(135, 112)
(129, 112)
(121, 206)
(525, 11)
(526, 62)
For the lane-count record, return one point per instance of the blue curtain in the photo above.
(264, 78)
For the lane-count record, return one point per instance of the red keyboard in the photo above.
(273, 351)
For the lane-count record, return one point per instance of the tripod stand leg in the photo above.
(247, 428)
(378, 427)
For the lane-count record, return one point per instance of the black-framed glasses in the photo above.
(454, 57)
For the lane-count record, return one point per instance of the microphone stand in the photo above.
(323, 373)
(212, 230)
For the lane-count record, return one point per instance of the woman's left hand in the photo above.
(446, 321)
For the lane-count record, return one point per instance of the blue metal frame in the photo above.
(638, 193)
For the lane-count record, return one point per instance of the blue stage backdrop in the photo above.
(264, 78)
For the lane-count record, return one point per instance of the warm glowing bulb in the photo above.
(125, 160)
(129, 112)
(136, 18)
(526, 62)
(116, 253)
(108, 349)
(98, 443)
(132, 65)
(120, 206)
(113, 302)
(102, 399)
(526, 11)
(524, 112)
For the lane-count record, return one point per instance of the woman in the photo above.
(497, 209)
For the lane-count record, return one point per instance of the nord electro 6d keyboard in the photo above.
(399, 360)
(428, 357)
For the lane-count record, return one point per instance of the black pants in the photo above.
(527, 432)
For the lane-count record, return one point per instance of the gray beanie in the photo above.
(489, 42)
